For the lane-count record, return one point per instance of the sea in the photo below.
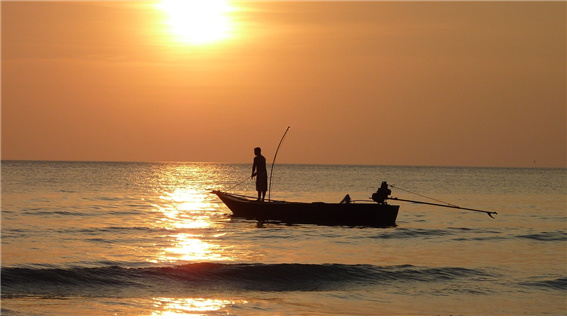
(130, 239)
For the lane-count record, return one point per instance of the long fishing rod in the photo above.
(272, 169)
(448, 206)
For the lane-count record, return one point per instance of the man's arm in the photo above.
(254, 165)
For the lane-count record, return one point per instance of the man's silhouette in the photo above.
(259, 170)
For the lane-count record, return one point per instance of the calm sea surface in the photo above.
(94, 238)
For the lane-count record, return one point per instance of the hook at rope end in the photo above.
(490, 214)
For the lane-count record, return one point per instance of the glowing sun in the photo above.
(198, 21)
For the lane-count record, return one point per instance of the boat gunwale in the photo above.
(251, 200)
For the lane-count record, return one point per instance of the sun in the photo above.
(198, 21)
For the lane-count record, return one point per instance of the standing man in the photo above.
(259, 170)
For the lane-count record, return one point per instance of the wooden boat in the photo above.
(347, 213)
(374, 214)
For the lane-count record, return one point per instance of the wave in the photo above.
(61, 213)
(547, 236)
(465, 234)
(551, 284)
(19, 232)
(401, 233)
(453, 233)
(217, 276)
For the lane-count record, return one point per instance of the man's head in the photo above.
(257, 151)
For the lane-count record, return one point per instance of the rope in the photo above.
(233, 186)
(440, 201)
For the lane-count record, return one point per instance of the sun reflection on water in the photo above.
(184, 200)
(192, 220)
(192, 306)
(188, 248)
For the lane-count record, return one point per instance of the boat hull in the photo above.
(331, 214)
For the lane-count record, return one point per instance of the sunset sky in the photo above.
(386, 83)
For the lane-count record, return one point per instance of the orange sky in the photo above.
(387, 83)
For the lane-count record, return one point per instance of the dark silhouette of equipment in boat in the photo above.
(375, 213)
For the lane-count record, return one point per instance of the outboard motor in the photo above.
(382, 194)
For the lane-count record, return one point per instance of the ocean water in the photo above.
(96, 238)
